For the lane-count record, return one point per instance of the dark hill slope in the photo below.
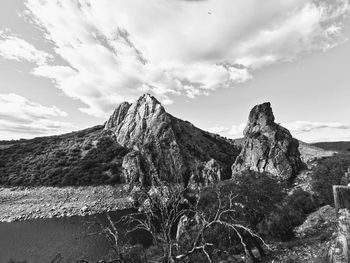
(334, 146)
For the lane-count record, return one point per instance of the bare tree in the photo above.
(162, 211)
(159, 215)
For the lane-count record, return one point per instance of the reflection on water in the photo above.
(41, 240)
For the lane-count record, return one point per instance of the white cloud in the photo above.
(116, 50)
(319, 131)
(20, 117)
(307, 126)
(236, 131)
(218, 129)
(306, 131)
(14, 48)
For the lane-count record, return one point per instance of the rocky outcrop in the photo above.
(268, 147)
(118, 115)
(145, 127)
(164, 148)
(208, 173)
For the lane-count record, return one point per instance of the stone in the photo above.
(268, 147)
(84, 209)
(208, 173)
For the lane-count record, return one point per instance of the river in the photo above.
(43, 240)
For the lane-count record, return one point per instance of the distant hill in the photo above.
(334, 146)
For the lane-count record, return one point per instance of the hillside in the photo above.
(77, 158)
(149, 143)
(334, 146)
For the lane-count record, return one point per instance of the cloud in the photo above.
(14, 48)
(306, 131)
(236, 131)
(307, 126)
(319, 131)
(218, 129)
(115, 50)
(20, 117)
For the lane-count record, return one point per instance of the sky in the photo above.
(66, 64)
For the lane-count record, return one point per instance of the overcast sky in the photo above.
(66, 64)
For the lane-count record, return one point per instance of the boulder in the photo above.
(268, 147)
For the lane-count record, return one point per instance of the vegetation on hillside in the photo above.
(334, 146)
(86, 157)
(328, 172)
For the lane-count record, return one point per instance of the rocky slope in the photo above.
(267, 146)
(164, 148)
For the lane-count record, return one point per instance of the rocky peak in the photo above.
(260, 116)
(118, 115)
(164, 148)
(144, 127)
(268, 147)
(132, 124)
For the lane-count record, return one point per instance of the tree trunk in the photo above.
(341, 197)
(340, 248)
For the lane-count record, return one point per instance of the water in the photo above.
(41, 240)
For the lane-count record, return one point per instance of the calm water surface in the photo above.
(41, 240)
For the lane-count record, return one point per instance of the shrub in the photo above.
(327, 173)
(258, 194)
(293, 212)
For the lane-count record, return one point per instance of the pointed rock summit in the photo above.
(164, 148)
(268, 147)
(138, 123)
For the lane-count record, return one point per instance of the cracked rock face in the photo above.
(145, 128)
(268, 147)
(162, 147)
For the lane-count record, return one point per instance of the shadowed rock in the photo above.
(268, 147)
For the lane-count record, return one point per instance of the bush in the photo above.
(259, 193)
(293, 212)
(328, 172)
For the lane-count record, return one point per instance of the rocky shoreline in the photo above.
(19, 203)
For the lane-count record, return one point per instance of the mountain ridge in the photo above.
(139, 144)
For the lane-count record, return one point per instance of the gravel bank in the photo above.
(18, 203)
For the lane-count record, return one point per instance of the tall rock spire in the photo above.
(268, 147)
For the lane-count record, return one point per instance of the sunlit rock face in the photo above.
(268, 147)
(163, 147)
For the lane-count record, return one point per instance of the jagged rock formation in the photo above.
(268, 147)
(208, 173)
(163, 147)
